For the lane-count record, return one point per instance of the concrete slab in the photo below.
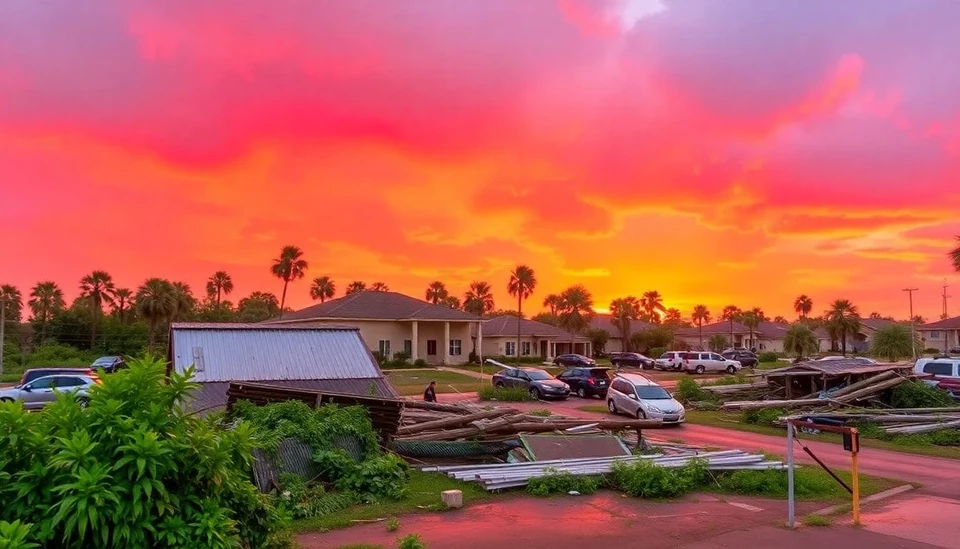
(922, 518)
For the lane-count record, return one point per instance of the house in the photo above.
(943, 334)
(391, 322)
(536, 339)
(860, 343)
(327, 358)
(766, 337)
(605, 322)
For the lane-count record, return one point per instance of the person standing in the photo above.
(430, 394)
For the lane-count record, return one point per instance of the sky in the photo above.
(734, 152)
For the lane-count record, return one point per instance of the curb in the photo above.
(880, 496)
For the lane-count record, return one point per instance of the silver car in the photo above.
(641, 398)
(703, 362)
(42, 391)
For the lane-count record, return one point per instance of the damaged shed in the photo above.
(821, 378)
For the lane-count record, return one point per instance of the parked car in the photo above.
(36, 373)
(636, 360)
(109, 364)
(939, 368)
(42, 391)
(586, 382)
(745, 358)
(954, 351)
(637, 396)
(670, 360)
(539, 383)
(574, 360)
(951, 386)
(703, 362)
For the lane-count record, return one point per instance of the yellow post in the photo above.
(855, 478)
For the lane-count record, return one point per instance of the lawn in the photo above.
(413, 382)
(731, 420)
(490, 369)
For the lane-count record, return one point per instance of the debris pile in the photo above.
(911, 421)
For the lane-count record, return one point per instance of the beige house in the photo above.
(536, 339)
(390, 323)
(766, 337)
(615, 342)
(942, 335)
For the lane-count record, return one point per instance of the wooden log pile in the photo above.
(897, 421)
(847, 396)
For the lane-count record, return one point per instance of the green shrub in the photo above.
(657, 352)
(412, 541)
(133, 469)
(382, 476)
(768, 357)
(562, 482)
(393, 525)
(947, 437)
(645, 480)
(13, 535)
(688, 390)
(420, 363)
(773, 483)
(932, 351)
(506, 394)
(917, 394)
(766, 416)
(540, 412)
(738, 379)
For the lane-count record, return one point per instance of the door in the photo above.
(716, 363)
(38, 393)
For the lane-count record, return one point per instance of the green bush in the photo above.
(412, 541)
(917, 394)
(133, 469)
(768, 357)
(645, 480)
(420, 363)
(13, 535)
(773, 483)
(737, 379)
(562, 482)
(541, 412)
(523, 360)
(932, 351)
(505, 394)
(657, 352)
(688, 390)
(766, 416)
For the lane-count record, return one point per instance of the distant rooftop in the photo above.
(371, 305)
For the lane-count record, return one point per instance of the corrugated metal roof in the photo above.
(213, 395)
(838, 367)
(265, 353)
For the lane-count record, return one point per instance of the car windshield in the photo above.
(538, 375)
(103, 360)
(652, 392)
(665, 355)
(599, 372)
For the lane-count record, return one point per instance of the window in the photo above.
(935, 334)
(525, 348)
(42, 383)
(510, 348)
(67, 382)
(716, 357)
(456, 347)
(385, 348)
(408, 347)
(938, 368)
(432, 347)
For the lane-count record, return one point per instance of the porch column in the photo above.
(589, 347)
(446, 343)
(551, 350)
(414, 339)
(480, 341)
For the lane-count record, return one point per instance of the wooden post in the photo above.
(855, 479)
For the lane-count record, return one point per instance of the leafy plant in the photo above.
(893, 342)
(688, 390)
(562, 482)
(505, 394)
(917, 394)
(413, 541)
(13, 535)
(540, 412)
(768, 357)
(766, 416)
(657, 352)
(393, 525)
(644, 479)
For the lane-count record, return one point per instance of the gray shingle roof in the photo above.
(506, 326)
(370, 305)
(947, 324)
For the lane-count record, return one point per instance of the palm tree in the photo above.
(843, 319)
(780, 320)
(576, 309)
(552, 301)
(379, 287)
(700, 316)
(751, 320)
(289, 266)
(731, 314)
(46, 298)
(157, 303)
(12, 302)
(436, 292)
(184, 300)
(356, 287)
(257, 307)
(123, 301)
(322, 288)
(673, 316)
(761, 316)
(479, 298)
(718, 343)
(623, 310)
(98, 288)
(451, 301)
(522, 283)
(799, 340)
(893, 342)
(803, 305)
(955, 256)
(219, 283)
(652, 304)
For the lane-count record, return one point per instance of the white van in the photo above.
(941, 368)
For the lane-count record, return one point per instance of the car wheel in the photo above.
(701, 369)
(641, 414)
(534, 393)
(499, 385)
(83, 402)
(581, 393)
(731, 370)
(611, 406)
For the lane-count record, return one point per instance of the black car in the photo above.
(635, 360)
(745, 358)
(574, 360)
(109, 364)
(586, 382)
(36, 373)
(537, 382)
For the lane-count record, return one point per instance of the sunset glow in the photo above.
(728, 152)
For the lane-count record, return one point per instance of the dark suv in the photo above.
(35, 373)
(631, 359)
(745, 358)
(109, 364)
(586, 382)
(574, 360)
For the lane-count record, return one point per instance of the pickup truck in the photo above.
(951, 386)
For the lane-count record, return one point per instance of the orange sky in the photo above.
(719, 152)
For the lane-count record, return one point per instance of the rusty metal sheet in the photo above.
(546, 447)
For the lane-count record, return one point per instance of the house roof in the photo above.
(212, 395)
(837, 367)
(506, 326)
(765, 330)
(605, 322)
(371, 305)
(875, 323)
(947, 324)
(264, 352)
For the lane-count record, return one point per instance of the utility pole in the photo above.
(913, 333)
(943, 315)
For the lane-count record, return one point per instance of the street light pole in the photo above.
(913, 333)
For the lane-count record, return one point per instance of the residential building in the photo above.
(328, 358)
(860, 343)
(615, 343)
(536, 339)
(943, 334)
(766, 337)
(390, 322)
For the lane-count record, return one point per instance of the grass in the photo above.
(361, 546)
(490, 369)
(541, 412)
(422, 496)
(811, 483)
(731, 420)
(505, 394)
(814, 519)
(594, 408)
(413, 382)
